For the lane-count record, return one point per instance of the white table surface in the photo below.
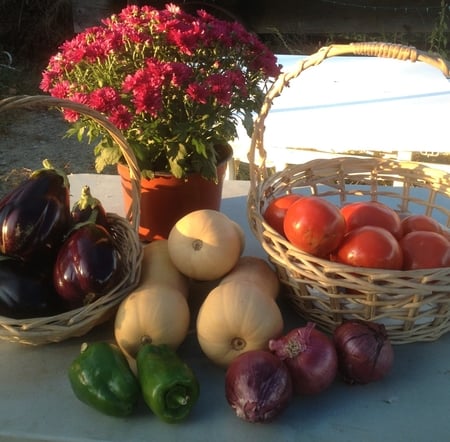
(356, 103)
(37, 404)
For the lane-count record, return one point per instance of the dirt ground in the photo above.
(29, 137)
(32, 136)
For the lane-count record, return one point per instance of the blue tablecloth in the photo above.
(37, 404)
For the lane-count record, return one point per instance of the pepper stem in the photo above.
(177, 397)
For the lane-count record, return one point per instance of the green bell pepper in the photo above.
(168, 385)
(101, 377)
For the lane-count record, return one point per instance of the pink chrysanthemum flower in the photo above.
(167, 79)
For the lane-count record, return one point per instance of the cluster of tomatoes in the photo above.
(362, 234)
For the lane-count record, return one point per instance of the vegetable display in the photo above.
(239, 325)
(169, 386)
(101, 378)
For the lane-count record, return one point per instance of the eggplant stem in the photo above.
(48, 165)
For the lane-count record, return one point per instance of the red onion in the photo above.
(258, 386)
(365, 353)
(310, 356)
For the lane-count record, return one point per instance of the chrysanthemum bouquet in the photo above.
(176, 84)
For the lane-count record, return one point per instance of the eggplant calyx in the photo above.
(90, 298)
(91, 220)
(49, 166)
(87, 200)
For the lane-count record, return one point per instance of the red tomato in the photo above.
(372, 213)
(276, 210)
(446, 234)
(414, 223)
(425, 250)
(372, 247)
(314, 225)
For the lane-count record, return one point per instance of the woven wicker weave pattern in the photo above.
(414, 305)
(37, 331)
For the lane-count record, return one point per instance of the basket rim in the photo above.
(370, 163)
(371, 49)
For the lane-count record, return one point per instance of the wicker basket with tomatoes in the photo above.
(356, 238)
(64, 269)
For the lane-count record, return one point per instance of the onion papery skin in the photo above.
(258, 386)
(365, 353)
(310, 356)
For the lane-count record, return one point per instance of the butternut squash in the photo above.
(158, 268)
(241, 233)
(158, 314)
(258, 272)
(205, 245)
(234, 318)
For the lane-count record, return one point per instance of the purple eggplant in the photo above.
(35, 216)
(89, 208)
(87, 266)
(25, 293)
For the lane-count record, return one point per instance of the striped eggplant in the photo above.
(89, 208)
(25, 292)
(35, 215)
(87, 266)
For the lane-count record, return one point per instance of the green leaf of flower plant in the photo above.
(107, 156)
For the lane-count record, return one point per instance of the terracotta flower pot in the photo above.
(165, 199)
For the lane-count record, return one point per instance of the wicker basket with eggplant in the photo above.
(63, 269)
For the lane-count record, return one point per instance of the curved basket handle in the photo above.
(44, 101)
(376, 49)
